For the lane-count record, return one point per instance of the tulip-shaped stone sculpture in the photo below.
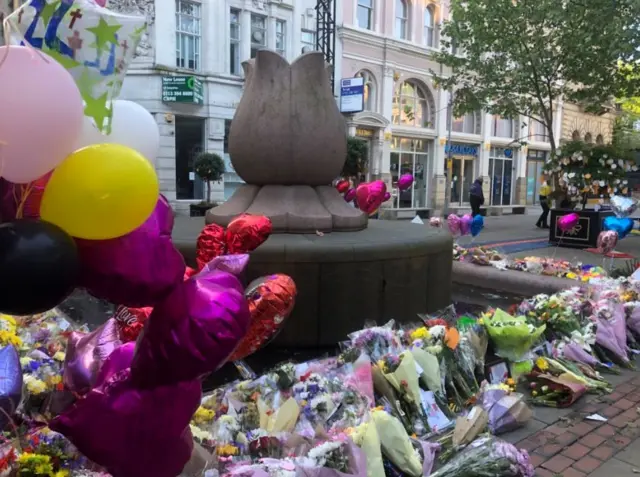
(288, 142)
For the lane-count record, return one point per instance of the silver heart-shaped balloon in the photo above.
(623, 206)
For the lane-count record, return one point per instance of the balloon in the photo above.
(271, 300)
(607, 241)
(620, 225)
(10, 384)
(86, 352)
(196, 327)
(132, 126)
(137, 269)
(342, 186)
(568, 222)
(405, 181)
(42, 114)
(247, 232)
(100, 192)
(435, 222)
(477, 225)
(39, 265)
(211, 243)
(350, 195)
(453, 222)
(623, 206)
(387, 196)
(131, 321)
(96, 47)
(370, 195)
(465, 224)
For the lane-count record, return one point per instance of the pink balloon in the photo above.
(435, 222)
(405, 181)
(42, 114)
(567, 222)
(607, 241)
(102, 3)
(387, 196)
(453, 222)
(350, 195)
(370, 195)
(465, 224)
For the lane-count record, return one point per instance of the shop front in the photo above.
(501, 170)
(411, 156)
(367, 135)
(462, 170)
(535, 164)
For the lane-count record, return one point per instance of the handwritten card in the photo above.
(498, 373)
(435, 417)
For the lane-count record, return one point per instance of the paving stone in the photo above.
(549, 450)
(621, 379)
(557, 429)
(544, 473)
(592, 440)
(606, 431)
(610, 411)
(592, 407)
(630, 455)
(634, 396)
(619, 442)
(549, 415)
(558, 463)
(619, 421)
(571, 472)
(566, 439)
(527, 445)
(603, 452)
(614, 396)
(531, 431)
(613, 468)
(576, 451)
(623, 404)
(536, 459)
(581, 429)
(625, 388)
(631, 414)
(587, 464)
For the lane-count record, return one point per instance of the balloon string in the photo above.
(26, 191)
(558, 246)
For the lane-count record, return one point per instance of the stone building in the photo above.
(591, 128)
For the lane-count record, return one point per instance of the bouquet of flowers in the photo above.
(376, 341)
(547, 390)
(365, 436)
(611, 330)
(574, 372)
(488, 457)
(506, 410)
(560, 314)
(336, 458)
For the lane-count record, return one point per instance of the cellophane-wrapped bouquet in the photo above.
(376, 341)
(507, 410)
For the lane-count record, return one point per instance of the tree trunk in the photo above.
(208, 192)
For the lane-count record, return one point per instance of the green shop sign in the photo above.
(182, 89)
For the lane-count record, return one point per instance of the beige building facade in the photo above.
(590, 128)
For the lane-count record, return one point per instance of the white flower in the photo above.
(613, 166)
(604, 156)
(572, 175)
(620, 162)
(437, 331)
(625, 182)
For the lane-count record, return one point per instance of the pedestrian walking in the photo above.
(476, 197)
(543, 197)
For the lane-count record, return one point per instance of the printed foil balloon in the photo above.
(465, 224)
(342, 186)
(350, 195)
(211, 243)
(387, 196)
(22, 201)
(607, 241)
(623, 206)
(405, 181)
(247, 232)
(477, 224)
(453, 222)
(271, 300)
(94, 44)
(370, 196)
(568, 222)
(620, 225)
(435, 222)
(10, 383)
(131, 321)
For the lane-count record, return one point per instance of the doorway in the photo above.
(189, 142)
(462, 170)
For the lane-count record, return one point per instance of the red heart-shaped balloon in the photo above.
(271, 300)
(131, 321)
(211, 244)
(343, 186)
(370, 195)
(247, 232)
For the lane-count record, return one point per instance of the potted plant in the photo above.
(210, 168)
(585, 171)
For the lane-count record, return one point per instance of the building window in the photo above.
(258, 34)
(402, 19)
(599, 140)
(365, 14)
(410, 156)
(308, 40)
(189, 141)
(535, 175)
(465, 124)
(502, 127)
(501, 175)
(411, 107)
(234, 42)
(575, 136)
(281, 37)
(588, 138)
(429, 27)
(188, 34)
(369, 90)
(537, 131)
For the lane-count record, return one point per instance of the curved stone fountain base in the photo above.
(292, 209)
(389, 270)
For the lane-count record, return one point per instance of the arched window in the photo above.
(502, 127)
(599, 139)
(429, 26)
(411, 106)
(575, 136)
(369, 90)
(465, 124)
(588, 138)
(402, 19)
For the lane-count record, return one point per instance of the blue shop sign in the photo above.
(461, 150)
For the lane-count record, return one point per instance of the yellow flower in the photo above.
(542, 364)
(203, 415)
(59, 356)
(34, 385)
(572, 276)
(227, 450)
(9, 338)
(52, 381)
(420, 333)
(61, 473)
(511, 382)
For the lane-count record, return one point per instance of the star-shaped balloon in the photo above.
(94, 44)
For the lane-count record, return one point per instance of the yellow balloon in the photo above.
(100, 192)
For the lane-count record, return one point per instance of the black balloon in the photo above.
(39, 266)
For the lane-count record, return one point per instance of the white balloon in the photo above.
(132, 126)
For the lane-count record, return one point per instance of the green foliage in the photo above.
(210, 168)
(625, 270)
(357, 157)
(520, 56)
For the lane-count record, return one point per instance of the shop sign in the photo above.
(364, 132)
(351, 95)
(461, 150)
(182, 89)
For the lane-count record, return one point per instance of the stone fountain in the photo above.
(288, 143)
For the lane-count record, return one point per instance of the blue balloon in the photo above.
(476, 225)
(621, 225)
(10, 383)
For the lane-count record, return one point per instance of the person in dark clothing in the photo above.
(545, 190)
(476, 197)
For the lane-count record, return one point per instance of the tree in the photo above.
(520, 56)
(209, 167)
(357, 158)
